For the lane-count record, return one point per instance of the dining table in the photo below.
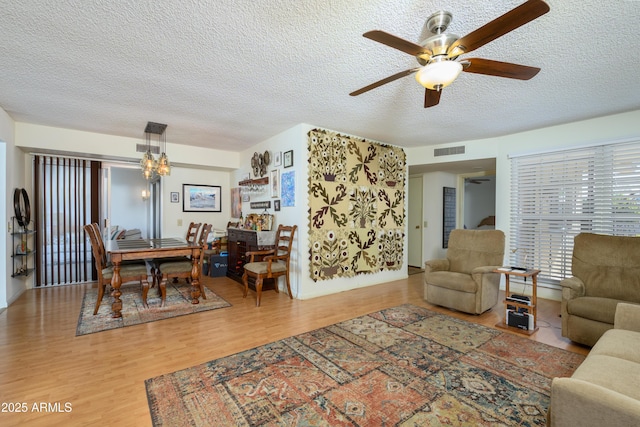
(148, 249)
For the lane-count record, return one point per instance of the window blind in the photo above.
(65, 193)
(557, 195)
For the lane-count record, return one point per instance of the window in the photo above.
(557, 195)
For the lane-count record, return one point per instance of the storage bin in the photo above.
(218, 265)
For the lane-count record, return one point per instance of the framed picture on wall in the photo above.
(277, 158)
(175, 197)
(201, 198)
(275, 183)
(288, 159)
(236, 203)
(288, 189)
(448, 213)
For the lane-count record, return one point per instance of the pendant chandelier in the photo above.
(149, 165)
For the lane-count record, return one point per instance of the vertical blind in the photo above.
(64, 189)
(555, 196)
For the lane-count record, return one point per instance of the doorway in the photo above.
(414, 219)
(129, 201)
(434, 177)
(478, 204)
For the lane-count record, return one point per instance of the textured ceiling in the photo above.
(231, 73)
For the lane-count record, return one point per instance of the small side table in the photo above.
(532, 308)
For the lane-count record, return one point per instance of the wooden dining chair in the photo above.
(276, 262)
(202, 242)
(105, 255)
(182, 269)
(103, 252)
(192, 231)
(128, 272)
(191, 237)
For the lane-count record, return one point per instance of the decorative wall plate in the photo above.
(22, 207)
(259, 164)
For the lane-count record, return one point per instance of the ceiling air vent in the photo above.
(448, 151)
(142, 148)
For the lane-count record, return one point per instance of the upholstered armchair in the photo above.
(606, 271)
(465, 280)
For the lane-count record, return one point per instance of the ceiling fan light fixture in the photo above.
(437, 54)
(438, 74)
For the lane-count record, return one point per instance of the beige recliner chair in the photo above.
(465, 280)
(606, 271)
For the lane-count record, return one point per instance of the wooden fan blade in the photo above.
(395, 42)
(431, 98)
(511, 20)
(500, 69)
(384, 81)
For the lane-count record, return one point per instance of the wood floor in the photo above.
(102, 375)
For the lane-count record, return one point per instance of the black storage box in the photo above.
(520, 320)
(218, 265)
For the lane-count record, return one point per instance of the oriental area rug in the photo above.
(177, 303)
(403, 366)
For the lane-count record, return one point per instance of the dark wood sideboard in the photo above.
(239, 242)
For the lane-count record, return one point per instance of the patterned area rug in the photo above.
(403, 366)
(178, 303)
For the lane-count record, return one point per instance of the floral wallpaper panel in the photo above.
(356, 205)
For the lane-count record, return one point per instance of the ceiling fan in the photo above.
(438, 54)
(476, 180)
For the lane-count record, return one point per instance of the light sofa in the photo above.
(465, 280)
(606, 271)
(605, 389)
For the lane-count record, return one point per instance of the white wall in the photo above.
(45, 139)
(14, 175)
(4, 266)
(290, 139)
(173, 214)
